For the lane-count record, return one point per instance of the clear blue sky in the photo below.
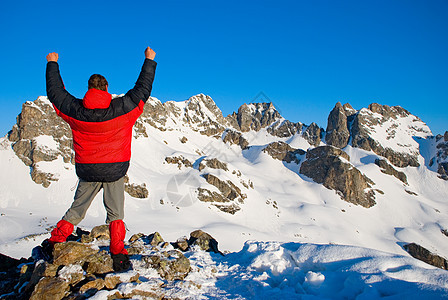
(304, 55)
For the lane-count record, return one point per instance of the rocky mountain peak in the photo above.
(254, 116)
(338, 132)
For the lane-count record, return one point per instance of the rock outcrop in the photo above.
(337, 133)
(235, 138)
(282, 151)
(386, 168)
(41, 136)
(254, 116)
(441, 157)
(425, 255)
(228, 197)
(331, 167)
(135, 190)
(313, 134)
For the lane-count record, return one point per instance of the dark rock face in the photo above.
(425, 255)
(313, 134)
(282, 151)
(388, 169)
(235, 138)
(324, 165)
(285, 128)
(445, 136)
(337, 133)
(253, 116)
(228, 190)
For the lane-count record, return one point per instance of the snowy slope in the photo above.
(283, 206)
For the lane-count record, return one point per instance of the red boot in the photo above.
(117, 235)
(61, 232)
(119, 255)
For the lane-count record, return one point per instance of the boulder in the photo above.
(112, 280)
(50, 288)
(92, 286)
(71, 252)
(98, 263)
(72, 274)
(204, 240)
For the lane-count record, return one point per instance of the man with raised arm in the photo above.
(102, 134)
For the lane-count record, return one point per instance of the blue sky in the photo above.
(303, 55)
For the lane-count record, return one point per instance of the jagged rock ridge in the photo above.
(40, 135)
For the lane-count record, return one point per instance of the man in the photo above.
(102, 134)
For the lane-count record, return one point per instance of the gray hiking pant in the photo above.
(113, 199)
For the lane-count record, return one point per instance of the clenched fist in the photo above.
(53, 57)
(149, 53)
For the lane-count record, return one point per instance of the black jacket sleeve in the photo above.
(56, 92)
(142, 89)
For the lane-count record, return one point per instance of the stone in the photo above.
(425, 255)
(100, 232)
(71, 252)
(337, 133)
(171, 265)
(50, 288)
(98, 263)
(112, 280)
(155, 239)
(204, 240)
(386, 168)
(135, 237)
(93, 286)
(72, 274)
(330, 166)
(445, 136)
(182, 244)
